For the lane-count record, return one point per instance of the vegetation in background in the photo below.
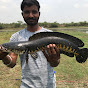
(20, 24)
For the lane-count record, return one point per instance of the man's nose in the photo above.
(30, 14)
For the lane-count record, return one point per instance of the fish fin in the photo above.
(66, 53)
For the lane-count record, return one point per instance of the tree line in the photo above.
(20, 24)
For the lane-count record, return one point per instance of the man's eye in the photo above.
(26, 12)
(34, 11)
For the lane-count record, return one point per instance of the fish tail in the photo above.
(83, 55)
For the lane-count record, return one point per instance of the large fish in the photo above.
(65, 46)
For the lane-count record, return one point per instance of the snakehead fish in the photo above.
(65, 46)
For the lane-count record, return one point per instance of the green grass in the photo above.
(9, 78)
(69, 73)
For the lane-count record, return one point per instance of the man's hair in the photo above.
(29, 3)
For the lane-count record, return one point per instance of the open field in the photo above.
(69, 73)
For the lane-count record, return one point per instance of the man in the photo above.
(39, 71)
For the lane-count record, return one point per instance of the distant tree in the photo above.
(17, 25)
(83, 23)
(2, 26)
(54, 25)
(44, 24)
(20, 22)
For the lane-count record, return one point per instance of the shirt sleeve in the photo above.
(14, 37)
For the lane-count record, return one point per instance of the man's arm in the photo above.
(8, 59)
(53, 56)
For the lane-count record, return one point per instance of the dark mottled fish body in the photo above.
(70, 38)
(37, 44)
(66, 47)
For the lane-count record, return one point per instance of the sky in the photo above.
(61, 11)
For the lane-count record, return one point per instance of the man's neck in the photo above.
(33, 28)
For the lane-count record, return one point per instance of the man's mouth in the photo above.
(31, 19)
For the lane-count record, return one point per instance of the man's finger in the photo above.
(48, 49)
(57, 51)
(52, 48)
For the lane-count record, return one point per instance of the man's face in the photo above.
(31, 15)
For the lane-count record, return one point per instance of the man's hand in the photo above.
(2, 53)
(52, 55)
(9, 60)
